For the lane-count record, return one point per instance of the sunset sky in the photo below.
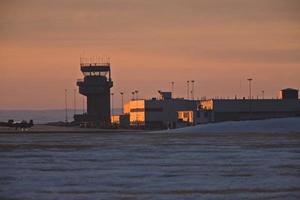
(217, 43)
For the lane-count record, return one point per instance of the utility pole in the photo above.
(112, 104)
(263, 94)
(192, 93)
(66, 106)
(188, 89)
(240, 91)
(74, 101)
(136, 113)
(122, 101)
(250, 92)
(172, 87)
(136, 94)
(250, 98)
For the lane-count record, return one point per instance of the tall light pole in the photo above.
(250, 98)
(172, 87)
(112, 104)
(132, 95)
(250, 92)
(136, 114)
(188, 89)
(122, 101)
(66, 106)
(263, 94)
(192, 93)
(136, 94)
(74, 101)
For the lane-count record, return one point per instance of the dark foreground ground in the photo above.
(149, 166)
(41, 129)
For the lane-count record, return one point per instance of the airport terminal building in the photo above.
(168, 112)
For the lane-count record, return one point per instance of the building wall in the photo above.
(186, 116)
(126, 108)
(137, 112)
(288, 93)
(158, 113)
(207, 104)
(234, 116)
(255, 105)
(115, 119)
(230, 110)
(263, 105)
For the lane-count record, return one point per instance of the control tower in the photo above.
(96, 87)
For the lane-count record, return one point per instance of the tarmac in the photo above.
(61, 129)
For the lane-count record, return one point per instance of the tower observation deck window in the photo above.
(95, 73)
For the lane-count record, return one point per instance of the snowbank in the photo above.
(256, 126)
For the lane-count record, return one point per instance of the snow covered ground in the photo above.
(149, 166)
(257, 126)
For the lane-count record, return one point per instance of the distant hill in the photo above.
(41, 116)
